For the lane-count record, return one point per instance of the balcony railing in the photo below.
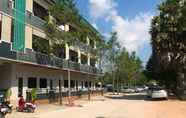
(49, 60)
(35, 21)
(6, 6)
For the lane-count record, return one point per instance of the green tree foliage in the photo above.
(8, 94)
(122, 67)
(65, 12)
(168, 32)
(34, 94)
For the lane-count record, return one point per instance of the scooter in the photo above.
(28, 107)
(3, 110)
(23, 106)
(7, 105)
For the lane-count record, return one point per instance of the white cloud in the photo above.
(100, 8)
(133, 34)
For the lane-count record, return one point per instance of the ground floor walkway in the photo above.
(118, 106)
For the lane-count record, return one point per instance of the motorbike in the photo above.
(23, 106)
(4, 110)
(5, 106)
(28, 107)
(8, 106)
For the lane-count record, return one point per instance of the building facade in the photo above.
(23, 66)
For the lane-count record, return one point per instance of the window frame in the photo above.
(33, 84)
(43, 83)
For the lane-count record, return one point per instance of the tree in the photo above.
(168, 32)
(113, 50)
(129, 66)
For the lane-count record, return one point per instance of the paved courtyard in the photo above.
(117, 106)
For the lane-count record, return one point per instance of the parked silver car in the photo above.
(157, 92)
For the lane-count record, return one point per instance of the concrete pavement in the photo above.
(120, 106)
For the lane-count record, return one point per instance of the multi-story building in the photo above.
(23, 67)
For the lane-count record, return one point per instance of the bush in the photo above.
(34, 94)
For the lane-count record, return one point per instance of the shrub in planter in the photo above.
(34, 94)
(8, 94)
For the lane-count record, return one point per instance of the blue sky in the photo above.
(129, 18)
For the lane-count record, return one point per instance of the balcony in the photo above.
(35, 21)
(52, 61)
(6, 6)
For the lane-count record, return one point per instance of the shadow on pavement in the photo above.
(132, 97)
(128, 97)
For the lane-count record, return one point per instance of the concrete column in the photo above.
(88, 41)
(88, 58)
(79, 56)
(28, 35)
(25, 86)
(6, 29)
(79, 85)
(75, 85)
(83, 84)
(48, 83)
(67, 51)
(95, 44)
(38, 81)
(67, 28)
(29, 5)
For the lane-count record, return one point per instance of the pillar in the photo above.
(29, 5)
(79, 56)
(67, 51)
(28, 35)
(6, 29)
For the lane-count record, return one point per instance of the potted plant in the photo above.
(33, 95)
(8, 94)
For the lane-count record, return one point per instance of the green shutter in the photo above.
(19, 25)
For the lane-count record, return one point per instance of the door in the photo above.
(20, 86)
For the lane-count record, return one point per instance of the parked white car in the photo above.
(157, 92)
(128, 90)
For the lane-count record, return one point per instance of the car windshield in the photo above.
(157, 88)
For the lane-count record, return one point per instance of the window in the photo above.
(32, 82)
(92, 43)
(0, 29)
(84, 59)
(86, 84)
(90, 84)
(40, 11)
(66, 83)
(73, 56)
(72, 84)
(40, 44)
(59, 51)
(93, 62)
(43, 83)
